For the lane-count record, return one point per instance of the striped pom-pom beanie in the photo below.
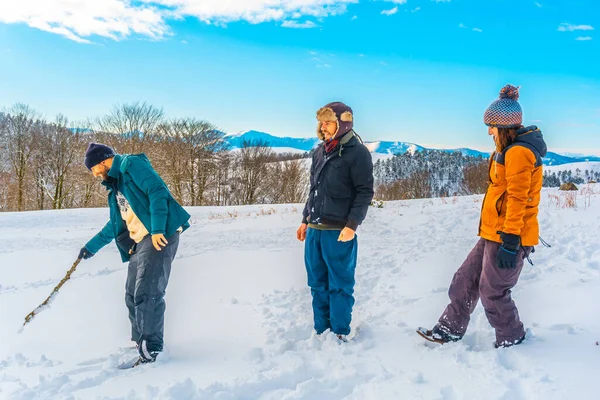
(506, 111)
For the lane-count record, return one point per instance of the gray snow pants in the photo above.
(480, 277)
(147, 278)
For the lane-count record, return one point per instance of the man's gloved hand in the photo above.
(507, 254)
(85, 254)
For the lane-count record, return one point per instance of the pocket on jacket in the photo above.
(490, 212)
(337, 181)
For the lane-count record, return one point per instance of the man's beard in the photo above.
(104, 174)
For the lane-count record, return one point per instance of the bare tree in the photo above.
(136, 123)
(289, 181)
(476, 178)
(18, 137)
(190, 149)
(251, 168)
(223, 178)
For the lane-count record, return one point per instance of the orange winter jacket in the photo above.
(511, 202)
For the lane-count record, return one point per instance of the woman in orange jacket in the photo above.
(508, 229)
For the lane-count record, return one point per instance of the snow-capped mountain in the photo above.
(300, 144)
(380, 147)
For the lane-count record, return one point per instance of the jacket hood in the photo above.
(532, 136)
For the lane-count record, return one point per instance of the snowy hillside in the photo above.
(238, 319)
(592, 166)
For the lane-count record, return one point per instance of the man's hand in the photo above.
(301, 232)
(85, 254)
(158, 241)
(346, 235)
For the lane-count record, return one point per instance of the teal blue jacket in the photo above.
(149, 198)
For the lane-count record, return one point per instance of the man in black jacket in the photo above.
(341, 190)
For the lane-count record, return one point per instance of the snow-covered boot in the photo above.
(507, 343)
(438, 335)
(343, 338)
(146, 356)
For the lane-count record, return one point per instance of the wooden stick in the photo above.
(39, 308)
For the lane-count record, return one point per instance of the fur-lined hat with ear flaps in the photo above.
(335, 112)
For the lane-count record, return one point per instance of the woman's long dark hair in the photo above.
(506, 137)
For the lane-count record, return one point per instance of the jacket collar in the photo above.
(113, 173)
(115, 170)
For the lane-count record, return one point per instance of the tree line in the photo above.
(555, 179)
(430, 173)
(41, 160)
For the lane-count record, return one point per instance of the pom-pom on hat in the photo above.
(505, 112)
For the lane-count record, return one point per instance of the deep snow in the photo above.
(238, 320)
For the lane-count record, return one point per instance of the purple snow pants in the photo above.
(480, 277)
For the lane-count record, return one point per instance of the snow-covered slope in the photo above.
(238, 320)
(582, 166)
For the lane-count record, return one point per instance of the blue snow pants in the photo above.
(330, 266)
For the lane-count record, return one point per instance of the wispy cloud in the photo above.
(319, 60)
(354, 18)
(463, 26)
(583, 38)
(416, 9)
(391, 11)
(565, 27)
(538, 4)
(299, 25)
(441, 1)
(81, 20)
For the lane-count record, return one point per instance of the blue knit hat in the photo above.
(96, 153)
(506, 111)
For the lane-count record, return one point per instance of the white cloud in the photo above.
(79, 20)
(538, 4)
(396, 1)
(463, 26)
(416, 9)
(299, 25)
(584, 38)
(391, 11)
(564, 27)
(354, 18)
(441, 1)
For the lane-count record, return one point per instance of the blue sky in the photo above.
(421, 71)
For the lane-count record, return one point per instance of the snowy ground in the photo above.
(239, 321)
